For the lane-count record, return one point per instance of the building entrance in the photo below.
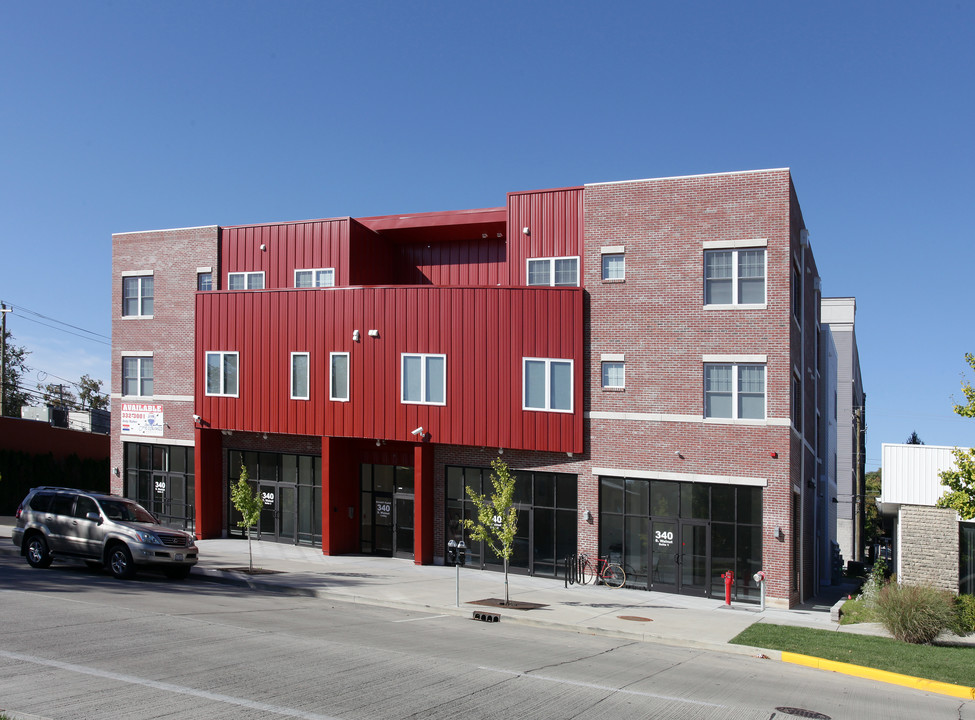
(279, 512)
(680, 556)
(386, 510)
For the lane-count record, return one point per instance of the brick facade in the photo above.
(654, 319)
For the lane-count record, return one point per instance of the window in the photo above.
(614, 375)
(321, 277)
(424, 379)
(245, 280)
(547, 384)
(299, 376)
(734, 277)
(734, 391)
(339, 377)
(797, 401)
(555, 271)
(137, 376)
(222, 368)
(137, 296)
(204, 281)
(614, 266)
(797, 293)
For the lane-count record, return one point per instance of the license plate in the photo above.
(179, 557)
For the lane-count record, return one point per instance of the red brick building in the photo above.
(644, 354)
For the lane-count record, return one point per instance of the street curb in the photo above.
(231, 577)
(942, 688)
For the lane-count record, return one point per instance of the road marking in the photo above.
(425, 617)
(606, 688)
(166, 687)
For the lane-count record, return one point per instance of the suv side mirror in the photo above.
(94, 516)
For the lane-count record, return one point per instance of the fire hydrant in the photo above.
(729, 580)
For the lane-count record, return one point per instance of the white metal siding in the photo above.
(910, 473)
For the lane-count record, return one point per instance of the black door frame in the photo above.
(671, 549)
(274, 534)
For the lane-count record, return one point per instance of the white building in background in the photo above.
(838, 316)
(931, 546)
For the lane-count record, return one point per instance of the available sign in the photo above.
(142, 419)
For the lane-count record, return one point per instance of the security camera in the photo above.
(418, 431)
(197, 418)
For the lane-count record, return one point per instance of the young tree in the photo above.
(14, 363)
(90, 393)
(248, 504)
(497, 516)
(960, 494)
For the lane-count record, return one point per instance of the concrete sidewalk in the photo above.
(391, 582)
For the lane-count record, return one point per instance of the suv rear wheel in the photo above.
(120, 562)
(38, 554)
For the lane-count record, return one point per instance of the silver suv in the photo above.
(102, 530)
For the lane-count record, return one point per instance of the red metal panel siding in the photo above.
(370, 257)
(485, 333)
(471, 262)
(288, 247)
(554, 219)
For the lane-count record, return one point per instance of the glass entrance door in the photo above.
(382, 523)
(680, 556)
(279, 512)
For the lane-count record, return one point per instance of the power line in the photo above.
(60, 322)
(83, 337)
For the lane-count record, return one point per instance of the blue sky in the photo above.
(121, 116)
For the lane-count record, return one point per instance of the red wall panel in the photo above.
(554, 219)
(485, 333)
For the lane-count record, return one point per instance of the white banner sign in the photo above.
(142, 419)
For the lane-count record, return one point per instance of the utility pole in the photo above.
(3, 354)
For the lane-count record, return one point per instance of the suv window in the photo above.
(62, 504)
(41, 502)
(84, 506)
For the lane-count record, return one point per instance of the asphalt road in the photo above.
(78, 644)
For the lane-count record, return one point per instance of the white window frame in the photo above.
(735, 366)
(604, 378)
(317, 274)
(247, 279)
(141, 277)
(735, 249)
(424, 390)
(140, 377)
(612, 252)
(307, 378)
(331, 377)
(223, 378)
(551, 270)
(548, 384)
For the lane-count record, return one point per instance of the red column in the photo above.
(340, 500)
(208, 471)
(423, 504)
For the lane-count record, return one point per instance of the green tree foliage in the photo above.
(497, 516)
(873, 527)
(913, 439)
(960, 482)
(58, 395)
(14, 370)
(248, 504)
(90, 393)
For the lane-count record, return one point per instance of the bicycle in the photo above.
(611, 574)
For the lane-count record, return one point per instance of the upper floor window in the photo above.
(137, 293)
(245, 280)
(734, 276)
(734, 391)
(204, 281)
(137, 376)
(320, 277)
(614, 266)
(339, 376)
(797, 293)
(553, 271)
(299, 376)
(222, 371)
(614, 375)
(797, 401)
(424, 379)
(547, 384)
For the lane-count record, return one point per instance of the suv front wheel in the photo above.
(38, 554)
(120, 562)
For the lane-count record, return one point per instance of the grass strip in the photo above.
(954, 665)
